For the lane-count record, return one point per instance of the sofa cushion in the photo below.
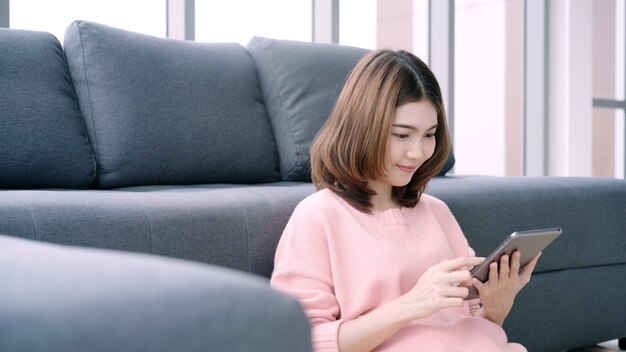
(164, 111)
(42, 135)
(236, 226)
(62, 298)
(300, 83)
(590, 210)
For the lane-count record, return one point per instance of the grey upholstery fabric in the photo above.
(573, 299)
(229, 225)
(43, 141)
(239, 226)
(565, 309)
(300, 83)
(191, 117)
(57, 298)
(163, 111)
(589, 210)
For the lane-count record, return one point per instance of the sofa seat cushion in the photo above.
(42, 135)
(230, 225)
(164, 111)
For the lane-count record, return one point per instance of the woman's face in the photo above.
(411, 143)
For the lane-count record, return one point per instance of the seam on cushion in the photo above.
(94, 171)
(283, 116)
(32, 223)
(293, 170)
(91, 119)
(267, 113)
(145, 215)
(579, 268)
(247, 238)
(264, 197)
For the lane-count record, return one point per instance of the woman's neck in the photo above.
(382, 200)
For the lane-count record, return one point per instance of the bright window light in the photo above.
(142, 16)
(240, 20)
(357, 23)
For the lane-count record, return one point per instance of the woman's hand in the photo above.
(436, 289)
(498, 293)
(443, 285)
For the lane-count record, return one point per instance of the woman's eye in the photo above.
(430, 135)
(401, 135)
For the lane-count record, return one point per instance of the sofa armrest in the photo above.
(63, 298)
(590, 210)
(573, 298)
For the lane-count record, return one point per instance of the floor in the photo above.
(609, 346)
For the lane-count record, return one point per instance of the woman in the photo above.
(376, 263)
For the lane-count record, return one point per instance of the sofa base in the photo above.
(566, 309)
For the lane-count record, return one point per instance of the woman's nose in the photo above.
(415, 152)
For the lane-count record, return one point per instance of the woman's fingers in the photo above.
(515, 264)
(479, 285)
(450, 278)
(493, 273)
(504, 266)
(530, 267)
(456, 291)
(459, 277)
(508, 268)
(450, 302)
(459, 263)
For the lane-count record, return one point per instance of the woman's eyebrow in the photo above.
(411, 127)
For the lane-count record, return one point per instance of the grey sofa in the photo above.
(125, 143)
(61, 298)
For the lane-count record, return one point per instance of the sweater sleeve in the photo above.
(455, 236)
(302, 268)
(450, 227)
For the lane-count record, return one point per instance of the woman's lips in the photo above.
(408, 169)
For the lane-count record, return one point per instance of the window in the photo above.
(608, 88)
(143, 16)
(357, 23)
(487, 88)
(240, 20)
(421, 24)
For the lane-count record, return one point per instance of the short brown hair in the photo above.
(352, 145)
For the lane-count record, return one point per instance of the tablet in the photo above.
(529, 243)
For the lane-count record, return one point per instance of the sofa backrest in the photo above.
(164, 111)
(43, 141)
(115, 108)
(300, 83)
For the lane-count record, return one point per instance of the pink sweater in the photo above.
(342, 263)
